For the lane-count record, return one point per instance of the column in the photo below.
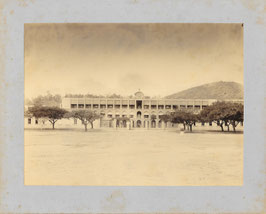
(114, 124)
(157, 123)
(164, 125)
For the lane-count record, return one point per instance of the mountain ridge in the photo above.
(216, 90)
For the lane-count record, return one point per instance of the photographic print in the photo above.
(133, 104)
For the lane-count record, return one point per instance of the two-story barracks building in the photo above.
(143, 112)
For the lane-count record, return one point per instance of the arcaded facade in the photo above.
(142, 112)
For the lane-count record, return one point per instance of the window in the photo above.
(160, 106)
(88, 105)
(146, 106)
(110, 106)
(109, 115)
(29, 120)
(117, 106)
(146, 116)
(102, 106)
(153, 106)
(197, 107)
(73, 105)
(139, 104)
(81, 105)
(174, 106)
(95, 105)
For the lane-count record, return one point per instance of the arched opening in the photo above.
(160, 124)
(138, 123)
(138, 114)
(153, 124)
(124, 123)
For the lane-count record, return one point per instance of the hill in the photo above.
(216, 90)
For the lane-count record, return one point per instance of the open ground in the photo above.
(132, 157)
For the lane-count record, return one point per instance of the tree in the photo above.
(46, 100)
(177, 117)
(165, 118)
(121, 121)
(85, 116)
(187, 118)
(53, 114)
(153, 117)
(235, 114)
(223, 114)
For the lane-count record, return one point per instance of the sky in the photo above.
(159, 59)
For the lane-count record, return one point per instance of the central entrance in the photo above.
(138, 123)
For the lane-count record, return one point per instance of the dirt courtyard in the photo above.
(132, 157)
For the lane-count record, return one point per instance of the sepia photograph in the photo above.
(133, 104)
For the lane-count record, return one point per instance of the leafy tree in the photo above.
(165, 118)
(46, 100)
(223, 114)
(214, 113)
(121, 120)
(235, 114)
(53, 114)
(187, 118)
(85, 116)
(153, 117)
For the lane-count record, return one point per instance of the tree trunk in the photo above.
(85, 127)
(221, 125)
(53, 124)
(184, 126)
(234, 127)
(190, 127)
(228, 128)
(91, 125)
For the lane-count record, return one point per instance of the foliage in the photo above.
(88, 95)
(85, 116)
(166, 118)
(153, 117)
(122, 119)
(92, 96)
(46, 100)
(224, 114)
(187, 118)
(53, 114)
